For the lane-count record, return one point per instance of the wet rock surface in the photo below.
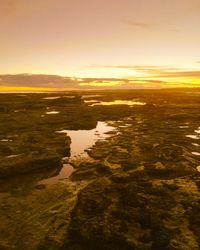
(140, 188)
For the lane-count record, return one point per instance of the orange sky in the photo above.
(155, 43)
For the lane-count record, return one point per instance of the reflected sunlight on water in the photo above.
(81, 140)
(52, 112)
(196, 137)
(120, 102)
(84, 139)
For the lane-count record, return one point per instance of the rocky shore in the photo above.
(140, 188)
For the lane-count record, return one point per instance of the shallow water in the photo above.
(84, 139)
(196, 153)
(58, 97)
(64, 173)
(5, 140)
(12, 156)
(52, 97)
(119, 102)
(89, 96)
(52, 112)
(81, 140)
(196, 137)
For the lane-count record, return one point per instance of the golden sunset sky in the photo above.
(99, 43)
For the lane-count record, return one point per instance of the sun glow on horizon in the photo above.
(31, 89)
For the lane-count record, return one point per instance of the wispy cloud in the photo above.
(138, 24)
(59, 82)
(158, 71)
(153, 77)
(193, 74)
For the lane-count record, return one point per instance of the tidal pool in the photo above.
(52, 97)
(195, 137)
(89, 96)
(5, 140)
(52, 112)
(64, 173)
(81, 140)
(84, 139)
(58, 97)
(119, 102)
(196, 153)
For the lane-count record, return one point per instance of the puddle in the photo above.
(69, 96)
(197, 131)
(198, 168)
(196, 137)
(90, 96)
(65, 172)
(81, 140)
(119, 102)
(52, 112)
(195, 144)
(84, 139)
(90, 101)
(195, 153)
(5, 140)
(13, 156)
(52, 97)
(183, 126)
(58, 97)
(126, 125)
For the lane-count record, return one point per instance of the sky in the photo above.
(101, 43)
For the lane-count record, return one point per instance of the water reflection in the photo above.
(196, 153)
(196, 137)
(52, 112)
(65, 172)
(119, 102)
(84, 139)
(5, 140)
(81, 140)
(52, 97)
(90, 96)
(58, 97)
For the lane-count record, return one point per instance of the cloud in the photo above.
(138, 24)
(160, 77)
(30, 80)
(157, 71)
(59, 82)
(136, 67)
(193, 74)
